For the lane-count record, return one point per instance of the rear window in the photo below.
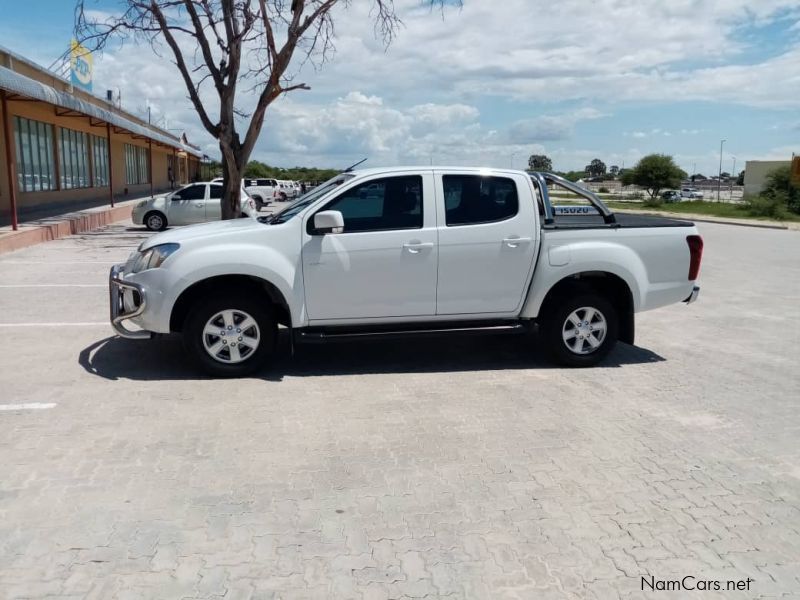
(474, 199)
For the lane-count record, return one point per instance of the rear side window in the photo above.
(263, 182)
(215, 191)
(381, 204)
(473, 199)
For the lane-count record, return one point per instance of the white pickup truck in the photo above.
(408, 251)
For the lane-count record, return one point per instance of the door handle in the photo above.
(199, 205)
(513, 242)
(416, 247)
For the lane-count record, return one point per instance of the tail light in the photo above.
(695, 243)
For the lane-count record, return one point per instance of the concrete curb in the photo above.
(718, 220)
(46, 230)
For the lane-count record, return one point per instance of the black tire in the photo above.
(283, 197)
(155, 221)
(554, 326)
(259, 202)
(239, 300)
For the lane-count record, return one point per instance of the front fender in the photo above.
(167, 284)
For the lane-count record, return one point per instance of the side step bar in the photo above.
(312, 336)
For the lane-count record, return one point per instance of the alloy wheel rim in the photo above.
(584, 330)
(155, 221)
(231, 336)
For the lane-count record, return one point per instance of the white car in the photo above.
(286, 190)
(194, 203)
(692, 193)
(262, 190)
(407, 251)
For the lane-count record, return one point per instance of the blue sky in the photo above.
(491, 83)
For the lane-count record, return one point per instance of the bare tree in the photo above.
(232, 44)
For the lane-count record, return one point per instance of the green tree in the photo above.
(540, 162)
(654, 172)
(596, 168)
(779, 186)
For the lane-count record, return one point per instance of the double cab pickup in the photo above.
(407, 251)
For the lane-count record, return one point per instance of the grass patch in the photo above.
(702, 207)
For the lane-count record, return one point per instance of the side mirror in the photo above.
(329, 221)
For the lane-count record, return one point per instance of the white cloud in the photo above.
(419, 98)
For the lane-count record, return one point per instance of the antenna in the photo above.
(351, 167)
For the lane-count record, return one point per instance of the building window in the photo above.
(136, 171)
(99, 161)
(35, 163)
(74, 150)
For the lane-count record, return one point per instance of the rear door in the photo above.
(487, 242)
(188, 205)
(213, 205)
(383, 265)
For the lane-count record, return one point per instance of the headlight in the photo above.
(154, 257)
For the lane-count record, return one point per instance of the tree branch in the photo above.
(181, 63)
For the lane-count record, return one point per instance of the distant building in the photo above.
(63, 148)
(755, 174)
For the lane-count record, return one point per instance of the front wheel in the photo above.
(231, 335)
(155, 221)
(581, 330)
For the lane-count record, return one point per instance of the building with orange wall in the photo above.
(62, 148)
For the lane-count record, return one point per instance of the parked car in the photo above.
(691, 193)
(485, 253)
(262, 191)
(286, 190)
(194, 203)
(671, 196)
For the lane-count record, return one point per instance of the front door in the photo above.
(384, 263)
(188, 205)
(487, 243)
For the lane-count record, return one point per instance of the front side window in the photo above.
(473, 199)
(35, 163)
(192, 192)
(381, 204)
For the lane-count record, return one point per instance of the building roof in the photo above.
(17, 83)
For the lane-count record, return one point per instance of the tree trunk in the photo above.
(232, 183)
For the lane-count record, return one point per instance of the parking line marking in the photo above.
(28, 406)
(85, 324)
(55, 285)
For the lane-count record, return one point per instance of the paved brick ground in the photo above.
(463, 469)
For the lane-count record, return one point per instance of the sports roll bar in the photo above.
(543, 179)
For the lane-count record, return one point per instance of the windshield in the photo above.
(298, 205)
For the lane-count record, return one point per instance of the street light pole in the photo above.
(719, 175)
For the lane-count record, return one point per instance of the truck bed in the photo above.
(623, 221)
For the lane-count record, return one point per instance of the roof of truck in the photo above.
(380, 170)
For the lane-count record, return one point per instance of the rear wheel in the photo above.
(155, 221)
(230, 335)
(580, 330)
(259, 202)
